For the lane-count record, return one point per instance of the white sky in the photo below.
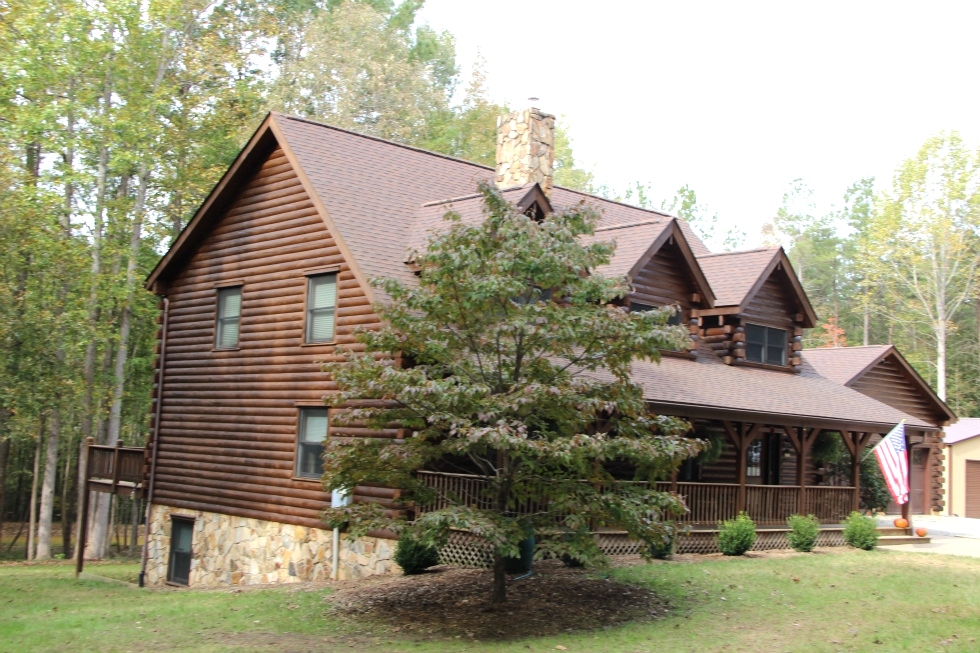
(736, 99)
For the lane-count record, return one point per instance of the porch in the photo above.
(707, 503)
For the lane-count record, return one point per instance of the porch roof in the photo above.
(706, 387)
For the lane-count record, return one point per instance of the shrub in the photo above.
(736, 536)
(661, 548)
(413, 556)
(803, 532)
(860, 531)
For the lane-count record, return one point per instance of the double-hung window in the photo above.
(313, 424)
(228, 318)
(765, 344)
(321, 308)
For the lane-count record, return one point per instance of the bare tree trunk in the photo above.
(31, 517)
(65, 499)
(4, 458)
(82, 485)
(136, 527)
(98, 540)
(48, 487)
(499, 579)
(867, 322)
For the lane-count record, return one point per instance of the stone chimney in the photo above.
(526, 149)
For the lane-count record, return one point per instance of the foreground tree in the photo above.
(511, 362)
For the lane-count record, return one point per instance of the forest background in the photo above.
(117, 117)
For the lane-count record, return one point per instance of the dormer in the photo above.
(662, 269)
(760, 310)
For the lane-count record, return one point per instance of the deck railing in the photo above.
(770, 505)
(117, 464)
(828, 503)
(707, 503)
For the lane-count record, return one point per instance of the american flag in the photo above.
(893, 459)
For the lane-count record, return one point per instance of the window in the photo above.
(309, 448)
(229, 317)
(181, 536)
(321, 304)
(753, 459)
(765, 344)
(674, 320)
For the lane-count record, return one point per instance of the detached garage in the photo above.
(963, 477)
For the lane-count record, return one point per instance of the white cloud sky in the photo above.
(735, 99)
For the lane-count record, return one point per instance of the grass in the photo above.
(822, 602)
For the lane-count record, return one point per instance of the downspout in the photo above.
(338, 499)
(156, 438)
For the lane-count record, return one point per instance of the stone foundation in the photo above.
(229, 550)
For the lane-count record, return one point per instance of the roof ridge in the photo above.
(380, 140)
(606, 199)
(741, 251)
(628, 225)
(462, 198)
(847, 347)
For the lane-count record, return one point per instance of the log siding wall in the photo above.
(229, 418)
(888, 383)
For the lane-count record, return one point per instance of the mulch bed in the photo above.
(454, 602)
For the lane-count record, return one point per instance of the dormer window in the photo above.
(674, 320)
(765, 344)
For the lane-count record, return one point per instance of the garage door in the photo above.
(973, 488)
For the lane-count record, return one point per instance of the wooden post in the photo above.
(83, 516)
(801, 472)
(115, 465)
(737, 435)
(907, 506)
(855, 468)
(673, 482)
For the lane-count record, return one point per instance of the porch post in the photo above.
(736, 434)
(907, 506)
(855, 467)
(801, 472)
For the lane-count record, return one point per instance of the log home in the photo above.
(274, 269)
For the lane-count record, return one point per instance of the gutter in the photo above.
(156, 439)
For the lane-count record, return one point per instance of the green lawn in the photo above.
(838, 601)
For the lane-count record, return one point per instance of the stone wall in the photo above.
(526, 149)
(229, 550)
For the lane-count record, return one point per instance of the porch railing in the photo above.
(707, 503)
(828, 503)
(770, 505)
(117, 464)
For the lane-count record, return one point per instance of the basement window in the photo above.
(765, 344)
(228, 317)
(313, 426)
(181, 538)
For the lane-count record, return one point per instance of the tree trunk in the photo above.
(136, 526)
(499, 579)
(33, 509)
(4, 458)
(66, 512)
(867, 323)
(48, 487)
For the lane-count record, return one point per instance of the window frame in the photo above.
(185, 521)
(300, 423)
(311, 277)
(219, 291)
(766, 345)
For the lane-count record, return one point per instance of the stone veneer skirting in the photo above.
(230, 550)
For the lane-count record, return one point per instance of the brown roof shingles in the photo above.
(842, 364)
(708, 382)
(733, 274)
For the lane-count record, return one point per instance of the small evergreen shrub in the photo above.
(736, 536)
(661, 548)
(803, 532)
(860, 531)
(413, 556)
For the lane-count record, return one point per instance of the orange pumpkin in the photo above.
(901, 522)
(921, 532)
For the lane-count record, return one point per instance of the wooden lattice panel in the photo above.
(465, 550)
